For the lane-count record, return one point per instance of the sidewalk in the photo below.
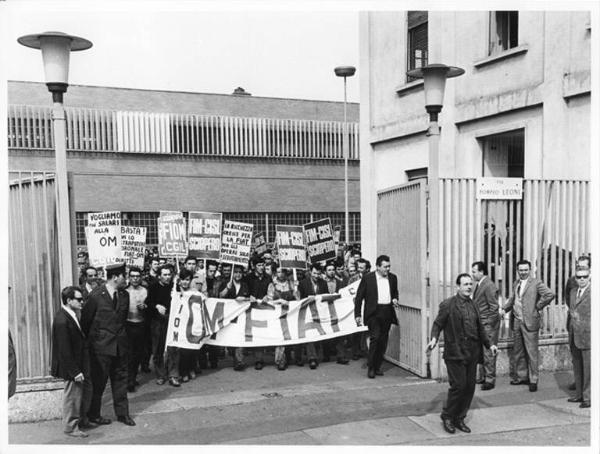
(332, 405)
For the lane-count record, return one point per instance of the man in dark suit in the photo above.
(485, 298)
(458, 318)
(583, 261)
(103, 320)
(580, 336)
(379, 291)
(311, 285)
(70, 361)
(530, 296)
(337, 344)
(90, 281)
(236, 289)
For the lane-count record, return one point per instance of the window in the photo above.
(417, 41)
(504, 31)
(416, 174)
(504, 154)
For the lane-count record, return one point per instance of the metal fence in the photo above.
(33, 274)
(549, 227)
(29, 127)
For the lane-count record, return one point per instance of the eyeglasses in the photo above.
(582, 277)
(78, 299)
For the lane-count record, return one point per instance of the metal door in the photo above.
(401, 234)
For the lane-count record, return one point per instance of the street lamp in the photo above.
(56, 48)
(345, 71)
(434, 77)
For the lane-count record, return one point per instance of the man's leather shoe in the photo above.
(575, 399)
(460, 425)
(585, 404)
(571, 387)
(258, 365)
(174, 381)
(378, 372)
(342, 361)
(516, 381)
(313, 364)
(487, 387)
(86, 424)
(239, 367)
(532, 387)
(100, 420)
(448, 426)
(126, 420)
(281, 366)
(77, 434)
(371, 373)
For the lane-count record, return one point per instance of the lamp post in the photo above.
(56, 48)
(345, 72)
(434, 76)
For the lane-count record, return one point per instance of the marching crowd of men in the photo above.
(111, 330)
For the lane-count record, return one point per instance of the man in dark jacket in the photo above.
(70, 361)
(103, 320)
(379, 291)
(458, 318)
(485, 297)
(309, 286)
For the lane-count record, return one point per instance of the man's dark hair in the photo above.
(460, 276)
(524, 262)
(239, 268)
(154, 259)
(211, 262)
(184, 273)
(481, 266)
(110, 273)
(380, 259)
(330, 263)
(90, 268)
(190, 257)
(134, 269)
(315, 266)
(587, 258)
(361, 260)
(69, 293)
(166, 266)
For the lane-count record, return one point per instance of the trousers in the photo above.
(525, 355)
(76, 403)
(379, 328)
(581, 369)
(115, 368)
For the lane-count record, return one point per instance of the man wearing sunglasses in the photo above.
(70, 361)
(579, 336)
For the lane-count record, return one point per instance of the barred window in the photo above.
(417, 39)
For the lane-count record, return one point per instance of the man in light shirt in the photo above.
(529, 298)
(379, 291)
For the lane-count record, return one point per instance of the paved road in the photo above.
(332, 405)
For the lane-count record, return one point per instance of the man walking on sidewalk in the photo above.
(485, 298)
(530, 296)
(379, 291)
(464, 333)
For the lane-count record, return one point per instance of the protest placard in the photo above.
(319, 240)
(193, 319)
(104, 245)
(236, 242)
(104, 219)
(172, 238)
(204, 234)
(133, 243)
(290, 246)
(259, 242)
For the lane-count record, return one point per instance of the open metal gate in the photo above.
(401, 234)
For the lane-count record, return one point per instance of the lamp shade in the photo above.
(56, 48)
(344, 71)
(434, 78)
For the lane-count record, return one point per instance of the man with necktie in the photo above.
(103, 321)
(530, 297)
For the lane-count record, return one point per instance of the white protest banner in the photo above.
(204, 234)
(194, 318)
(104, 219)
(133, 243)
(172, 240)
(236, 243)
(290, 322)
(319, 240)
(290, 246)
(104, 245)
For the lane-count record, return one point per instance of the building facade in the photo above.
(521, 110)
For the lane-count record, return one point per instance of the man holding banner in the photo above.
(379, 291)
